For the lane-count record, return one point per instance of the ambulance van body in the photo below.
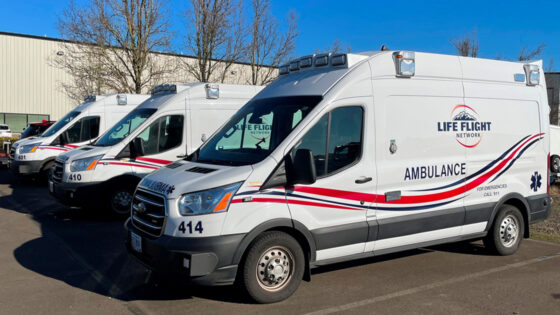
(172, 123)
(554, 151)
(36, 155)
(366, 154)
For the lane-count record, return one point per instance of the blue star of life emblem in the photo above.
(536, 181)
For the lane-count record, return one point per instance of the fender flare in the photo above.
(46, 161)
(502, 201)
(274, 224)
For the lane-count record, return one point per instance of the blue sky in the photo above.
(503, 27)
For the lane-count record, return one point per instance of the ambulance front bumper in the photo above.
(73, 194)
(22, 168)
(200, 260)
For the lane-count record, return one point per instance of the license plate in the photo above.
(136, 242)
(51, 186)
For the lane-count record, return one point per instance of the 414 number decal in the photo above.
(188, 228)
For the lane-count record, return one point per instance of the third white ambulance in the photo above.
(347, 156)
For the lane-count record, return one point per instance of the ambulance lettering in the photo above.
(435, 171)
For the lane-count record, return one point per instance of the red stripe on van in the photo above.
(158, 161)
(356, 196)
(296, 202)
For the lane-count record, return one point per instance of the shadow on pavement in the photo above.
(85, 249)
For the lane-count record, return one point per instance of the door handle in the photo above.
(181, 156)
(362, 180)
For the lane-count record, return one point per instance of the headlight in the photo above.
(86, 164)
(30, 148)
(208, 201)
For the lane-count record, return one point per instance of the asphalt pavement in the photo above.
(60, 260)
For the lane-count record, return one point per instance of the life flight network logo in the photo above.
(466, 126)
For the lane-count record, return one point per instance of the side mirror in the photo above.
(63, 139)
(302, 170)
(137, 147)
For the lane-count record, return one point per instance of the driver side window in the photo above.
(84, 129)
(335, 140)
(163, 134)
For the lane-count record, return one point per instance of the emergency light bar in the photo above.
(89, 98)
(320, 60)
(533, 74)
(164, 88)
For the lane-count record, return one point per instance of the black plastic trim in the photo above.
(421, 222)
(341, 235)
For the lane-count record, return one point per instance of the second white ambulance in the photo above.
(347, 156)
(172, 123)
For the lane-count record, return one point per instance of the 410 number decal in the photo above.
(188, 228)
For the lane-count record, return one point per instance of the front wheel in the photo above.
(507, 231)
(120, 199)
(273, 267)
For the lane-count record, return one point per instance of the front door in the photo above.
(334, 207)
(162, 141)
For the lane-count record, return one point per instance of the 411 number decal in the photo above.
(184, 228)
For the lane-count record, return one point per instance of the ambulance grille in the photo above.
(57, 171)
(148, 212)
(201, 170)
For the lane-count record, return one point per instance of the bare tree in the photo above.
(550, 65)
(267, 44)
(215, 37)
(526, 54)
(467, 45)
(112, 43)
(336, 47)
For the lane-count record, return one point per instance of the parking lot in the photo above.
(55, 259)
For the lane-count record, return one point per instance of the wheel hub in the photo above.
(509, 231)
(274, 268)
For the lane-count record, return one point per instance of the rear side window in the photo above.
(336, 140)
(163, 134)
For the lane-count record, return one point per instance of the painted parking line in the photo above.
(349, 306)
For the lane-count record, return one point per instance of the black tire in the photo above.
(46, 172)
(290, 262)
(506, 233)
(119, 199)
(555, 164)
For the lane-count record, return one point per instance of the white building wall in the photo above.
(30, 84)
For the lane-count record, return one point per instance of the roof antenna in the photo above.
(384, 48)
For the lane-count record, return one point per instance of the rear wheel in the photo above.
(273, 267)
(120, 199)
(555, 164)
(507, 231)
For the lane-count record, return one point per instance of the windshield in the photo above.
(60, 124)
(124, 127)
(31, 130)
(3, 127)
(255, 131)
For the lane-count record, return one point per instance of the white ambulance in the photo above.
(347, 156)
(172, 123)
(36, 155)
(555, 151)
